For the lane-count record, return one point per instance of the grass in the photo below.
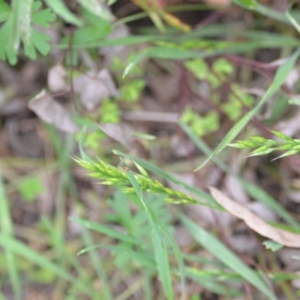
(118, 242)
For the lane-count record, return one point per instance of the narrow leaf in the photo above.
(279, 79)
(219, 250)
(60, 8)
(159, 246)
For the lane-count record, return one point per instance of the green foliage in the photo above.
(294, 101)
(222, 67)
(213, 245)
(134, 250)
(279, 79)
(4, 11)
(93, 139)
(110, 112)
(94, 30)
(250, 4)
(132, 87)
(198, 67)
(218, 74)
(201, 125)
(237, 100)
(144, 243)
(30, 187)
(110, 175)
(264, 146)
(273, 246)
(33, 40)
(132, 90)
(19, 20)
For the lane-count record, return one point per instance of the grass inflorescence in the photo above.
(110, 175)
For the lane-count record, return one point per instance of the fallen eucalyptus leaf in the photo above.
(280, 236)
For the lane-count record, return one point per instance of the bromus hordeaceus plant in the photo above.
(110, 175)
(265, 146)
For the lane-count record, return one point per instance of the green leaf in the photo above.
(291, 18)
(219, 250)
(105, 230)
(30, 187)
(96, 8)
(198, 67)
(253, 190)
(6, 227)
(222, 66)
(40, 42)
(279, 79)
(4, 11)
(294, 101)
(14, 27)
(25, 21)
(273, 246)
(250, 4)
(134, 61)
(159, 244)
(5, 52)
(42, 17)
(20, 23)
(60, 8)
(92, 33)
(14, 246)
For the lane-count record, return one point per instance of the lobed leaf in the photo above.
(60, 8)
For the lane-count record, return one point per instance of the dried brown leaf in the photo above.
(93, 88)
(57, 79)
(258, 225)
(120, 132)
(218, 3)
(52, 112)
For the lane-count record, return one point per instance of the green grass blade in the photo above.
(18, 248)
(267, 11)
(106, 230)
(7, 231)
(279, 79)
(219, 250)
(182, 54)
(135, 60)
(292, 20)
(97, 263)
(253, 190)
(159, 244)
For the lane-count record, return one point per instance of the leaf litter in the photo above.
(278, 235)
